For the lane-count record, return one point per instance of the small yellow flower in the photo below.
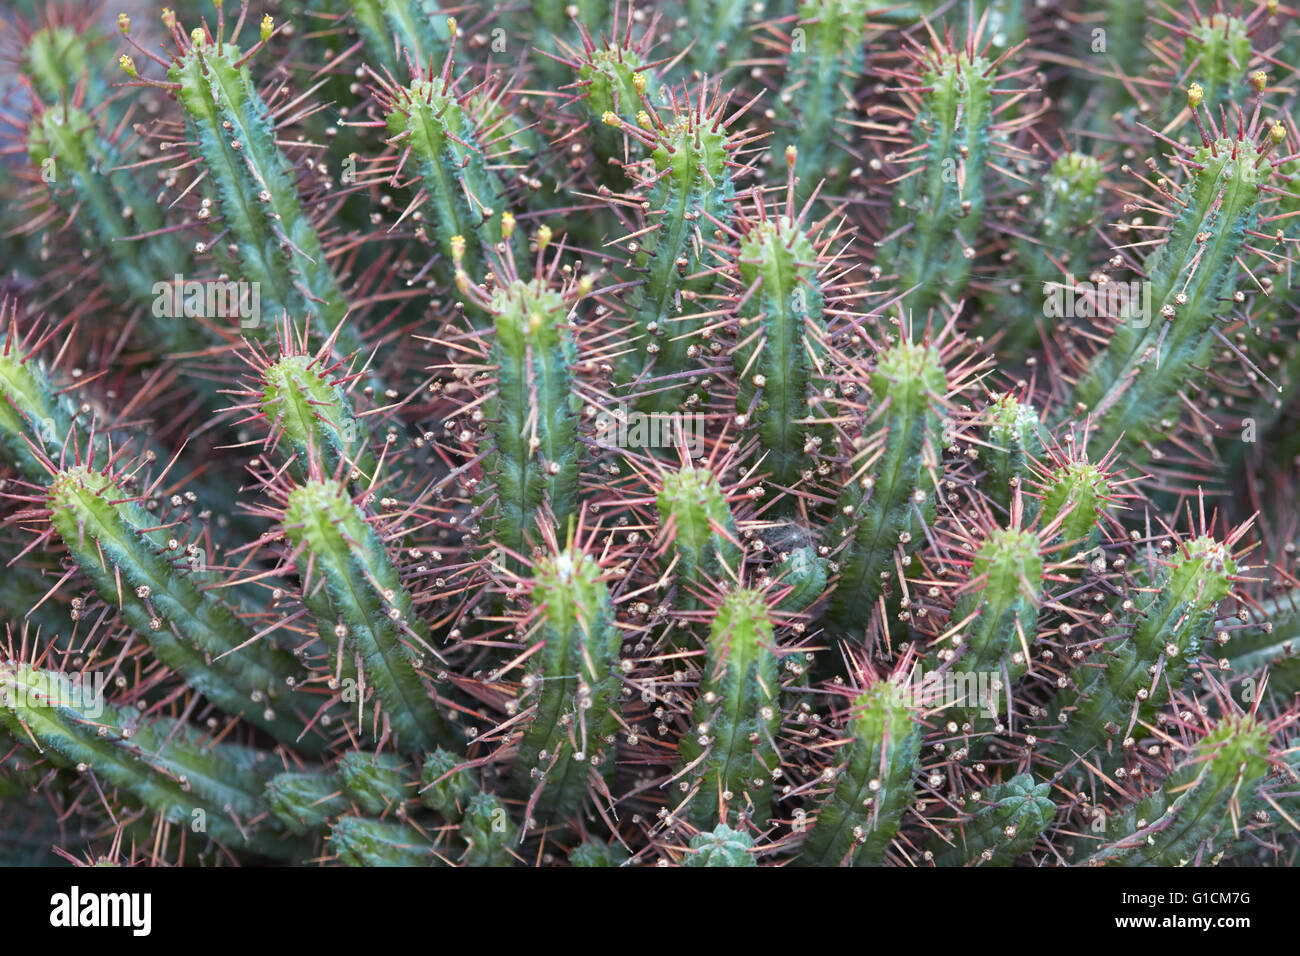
(1195, 94)
(128, 65)
(268, 27)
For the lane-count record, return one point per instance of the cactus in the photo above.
(649, 433)
(1009, 820)
(1201, 800)
(864, 811)
(731, 750)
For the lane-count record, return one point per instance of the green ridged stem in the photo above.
(721, 846)
(34, 408)
(534, 354)
(483, 822)
(1133, 384)
(594, 853)
(1015, 437)
(378, 784)
(1116, 687)
(463, 195)
(1079, 490)
(110, 209)
(704, 533)
(1195, 804)
(305, 802)
(43, 407)
(119, 546)
(1216, 53)
(877, 513)
(945, 201)
(779, 351)
(362, 842)
(825, 63)
(613, 78)
(213, 789)
(256, 193)
(807, 574)
(352, 581)
(731, 744)
(1048, 250)
(444, 788)
(873, 783)
(56, 57)
(316, 417)
(999, 604)
(488, 832)
(691, 188)
(1010, 819)
(566, 743)
(419, 26)
(551, 23)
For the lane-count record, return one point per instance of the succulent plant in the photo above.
(680, 434)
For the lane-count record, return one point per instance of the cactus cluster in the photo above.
(820, 433)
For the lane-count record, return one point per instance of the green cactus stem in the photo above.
(730, 752)
(350, 583)
(565, 751)
(873, 781)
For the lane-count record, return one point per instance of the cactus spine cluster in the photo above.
(681, 434)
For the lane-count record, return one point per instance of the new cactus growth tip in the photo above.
(649, 434)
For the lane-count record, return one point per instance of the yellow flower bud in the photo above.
(268, 27)
(610, 118)
(543, 237)
(1195, 94)
(124, 24)
(128, 65)
(1259, 80)
(507, 224)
